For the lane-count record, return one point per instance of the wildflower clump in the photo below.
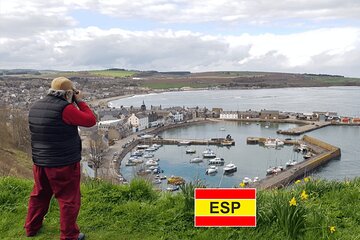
(242, 184)
(292, 202)
(332, 229)
(304, 195)
(297, 181)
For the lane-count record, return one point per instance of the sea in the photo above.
(253, 160)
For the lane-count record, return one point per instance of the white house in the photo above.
(105, 125)
(229, 115)
(178, 117)
(138, 121)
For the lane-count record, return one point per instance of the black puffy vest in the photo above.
(53, 142)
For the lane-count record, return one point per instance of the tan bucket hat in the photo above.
(62, 83)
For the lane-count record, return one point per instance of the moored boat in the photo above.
(208, 153)
(217, 161)
(196, 160)
(230, 168)
(190, 151)
(211, 170)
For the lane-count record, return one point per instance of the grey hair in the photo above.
(56, 93)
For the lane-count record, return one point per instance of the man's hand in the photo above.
(79, 96)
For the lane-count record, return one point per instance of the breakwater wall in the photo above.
(284, 178)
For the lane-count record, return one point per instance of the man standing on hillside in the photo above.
(56, 153)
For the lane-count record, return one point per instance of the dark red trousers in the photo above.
(64, 184)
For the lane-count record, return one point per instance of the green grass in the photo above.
(334, 80)
(112, 73)
(99, 73)
(136, 211)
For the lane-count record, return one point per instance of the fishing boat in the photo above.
(137, 153)
(308, 155)
(211, 170)
(150, 149)
(190, 151)
(148, 155)
(226, 143)
(129, 164)
(217, 161)
(172, 188)
(184, 142)
(247, 180)
(208, 153)
(151, 163)
(291, 163)
(270, 142)
(175, 180)
(230, 168)
(196, 160)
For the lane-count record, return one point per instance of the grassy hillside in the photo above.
(136, 211)
(15, 163)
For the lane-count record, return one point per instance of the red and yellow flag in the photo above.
(225, 207)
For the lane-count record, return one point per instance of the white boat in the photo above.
(156, 146)
(308, 155)
(226, 143)
(137, 153)
(273, 142)
(208, 153)
(211, 170)
(196, 160)
(230, 168)
(217, 161)
(270, 170)
(184, 142)
(301, 148)
(154, 159)
(150, 149)
(148, 155)
(190, 151)
(144, 146)
(136, 160)
(274, 170)
(291, 163)
(173, 188)
(151, 163)
(247, 180)
(222, 129)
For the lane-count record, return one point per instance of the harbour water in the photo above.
(253, 160)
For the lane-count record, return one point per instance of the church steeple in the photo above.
(143, 106)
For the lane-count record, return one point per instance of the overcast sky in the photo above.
(313, 36)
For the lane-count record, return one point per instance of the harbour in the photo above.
(252, 161)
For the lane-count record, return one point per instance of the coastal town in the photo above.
(120, 129)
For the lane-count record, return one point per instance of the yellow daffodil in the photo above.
(297, 181)
(242, 184)
(292, 202)
(332, 229)
(307, 179)
(304, 196)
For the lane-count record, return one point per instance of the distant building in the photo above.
(248, 114)
(138, 121)
(229, 115)
(269, 114)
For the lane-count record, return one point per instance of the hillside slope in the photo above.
(326, 210)
(15, 163)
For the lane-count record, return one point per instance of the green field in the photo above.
(137, 211)
(112, 73)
